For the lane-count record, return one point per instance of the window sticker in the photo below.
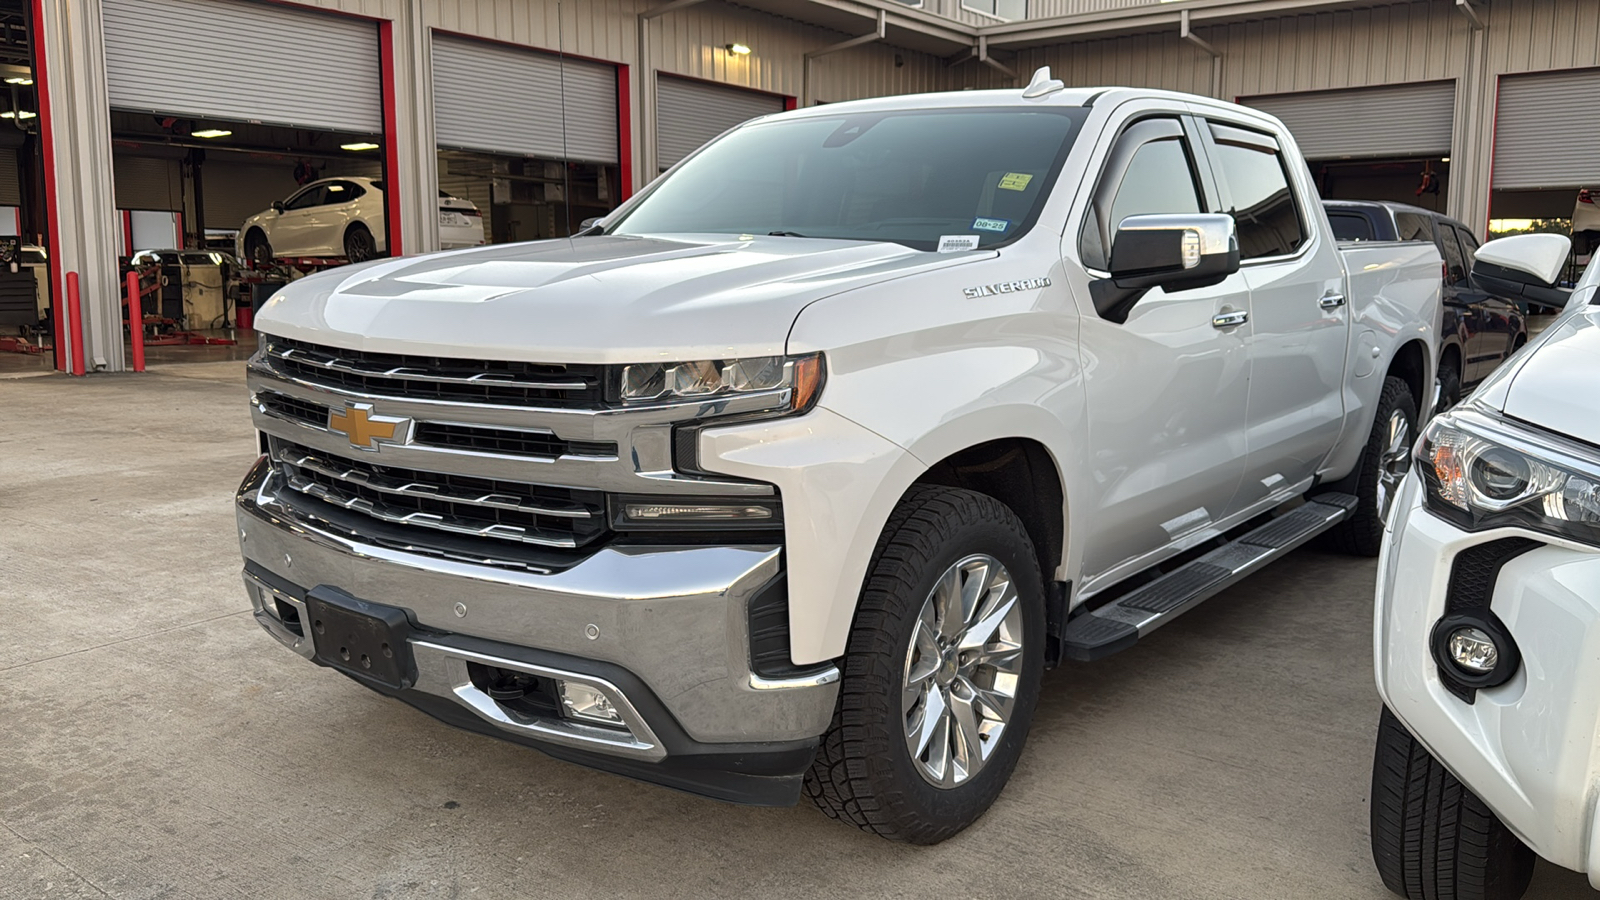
(1014, 181)
(981, 224)
(954, 243)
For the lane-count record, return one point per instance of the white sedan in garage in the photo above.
(1488, 616)
(344, 217)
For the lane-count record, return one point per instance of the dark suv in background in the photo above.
(1478, 330)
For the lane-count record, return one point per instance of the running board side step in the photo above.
(1120, 623)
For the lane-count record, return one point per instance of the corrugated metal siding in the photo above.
(1546, 132)
(494, 98)
(690, 113)
(143, 182)
(1400, 120)
(243, 61)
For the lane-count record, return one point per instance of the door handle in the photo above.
(1331, 301)
(1229, 319)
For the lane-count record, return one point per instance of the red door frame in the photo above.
(47, 166)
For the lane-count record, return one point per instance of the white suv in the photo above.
(1488, 616)
(344, 217)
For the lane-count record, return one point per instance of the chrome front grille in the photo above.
(533, 443)
(543, 516)
(502, 382)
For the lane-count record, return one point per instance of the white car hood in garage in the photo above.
(1553, 385)
(589, 300)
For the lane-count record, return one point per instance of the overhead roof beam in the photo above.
(878, 35)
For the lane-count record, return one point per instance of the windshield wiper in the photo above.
(787, 234)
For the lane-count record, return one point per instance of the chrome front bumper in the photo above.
(671, 620)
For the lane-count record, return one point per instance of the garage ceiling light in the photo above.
(19, 80)
(738, 49)
(8, 114)
(210, 133)
(359, 145)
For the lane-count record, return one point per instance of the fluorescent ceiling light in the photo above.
(210, 133)
(8, 114)
(359, 145)
(22, 80)
(738, 49)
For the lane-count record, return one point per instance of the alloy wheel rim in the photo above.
(962, 668)
(360, 248)
(1395, 463)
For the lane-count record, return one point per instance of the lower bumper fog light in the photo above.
(588, 704)
(1473, 650)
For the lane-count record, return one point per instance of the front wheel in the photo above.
(941, 671)
(1384, 464)
(1432, 839)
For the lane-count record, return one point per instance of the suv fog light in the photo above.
(587, 704)
(1473, 650)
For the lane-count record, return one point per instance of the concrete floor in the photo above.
(155, 743)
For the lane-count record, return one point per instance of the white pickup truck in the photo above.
(794, 473)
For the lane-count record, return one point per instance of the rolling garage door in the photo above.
(1546, 132)
(503, 100)
(689, 113)
(229, 59)
(1399, 120)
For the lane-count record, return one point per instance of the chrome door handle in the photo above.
(1229, 319)
(1331, 301)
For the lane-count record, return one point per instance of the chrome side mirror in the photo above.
(1172, 252)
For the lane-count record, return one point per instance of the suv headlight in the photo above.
(711, 379)
(1480, 471)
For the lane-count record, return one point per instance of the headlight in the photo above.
(800, 376)
(1484, 472)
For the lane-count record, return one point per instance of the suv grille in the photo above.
(502, 382)
(463, 505)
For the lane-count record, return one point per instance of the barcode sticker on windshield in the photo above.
(952, 243)
(1014, 181)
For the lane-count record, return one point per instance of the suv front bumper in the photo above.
(662, 632)
(1529, 748)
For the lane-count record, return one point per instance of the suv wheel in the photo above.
(1384, 465)
(1432, 839)
(257, 248)
(941, 671)
(1449, 387)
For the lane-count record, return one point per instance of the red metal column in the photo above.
(391, 138)
(136, 321)
(47, 152)
(75, 323)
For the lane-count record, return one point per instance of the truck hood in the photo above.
(1551, 384)
(603, 299)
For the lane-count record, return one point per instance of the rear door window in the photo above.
(1413, 226)
(1259, 197)
(1455, 265)
(1350, 226)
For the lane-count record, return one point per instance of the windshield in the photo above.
(910, 177)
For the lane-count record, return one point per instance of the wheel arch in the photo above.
(1410, 364)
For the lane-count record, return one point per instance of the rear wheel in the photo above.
(359, 245)
(1432, 839)
(257, 248)
(941, 671)
(1449, 385)
(1376, 481)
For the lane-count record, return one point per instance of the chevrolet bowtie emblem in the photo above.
(364, 429)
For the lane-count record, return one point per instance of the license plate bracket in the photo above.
(360, 638)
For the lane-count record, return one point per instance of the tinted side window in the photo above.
(1455, 267)
(1349, 226)
(343, 192)
(311, 196)
(1469, 244)
(1149, 172)
(1263, 206)
(1413, 227)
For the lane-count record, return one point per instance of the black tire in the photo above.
(1361, 533)
(359, 245)
(864, 773)
(257, 248)
(1449, 386)
(1432, 839)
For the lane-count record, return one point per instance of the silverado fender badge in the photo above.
(1005, 287)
